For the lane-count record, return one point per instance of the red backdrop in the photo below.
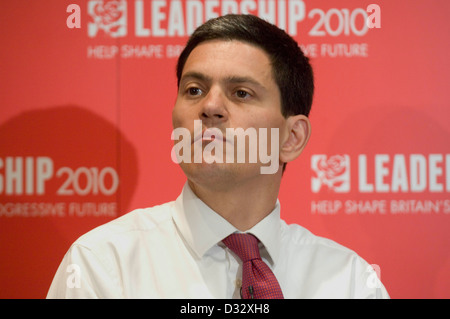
(85, 126)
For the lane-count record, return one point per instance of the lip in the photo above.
(208, 135)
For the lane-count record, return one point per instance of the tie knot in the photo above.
(243, 245)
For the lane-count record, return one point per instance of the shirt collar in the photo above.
(202, 228)
(268, 232)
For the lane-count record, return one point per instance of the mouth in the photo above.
(210, 134)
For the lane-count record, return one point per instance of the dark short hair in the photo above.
(291, 69)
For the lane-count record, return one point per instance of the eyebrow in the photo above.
(244, 79)
(195, 76)
(231, 79)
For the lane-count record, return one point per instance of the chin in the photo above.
(220, 174)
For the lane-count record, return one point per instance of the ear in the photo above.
(298, 132)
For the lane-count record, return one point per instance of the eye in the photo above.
(194, 91)
(241, 94)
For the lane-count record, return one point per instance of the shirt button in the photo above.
(238, 283)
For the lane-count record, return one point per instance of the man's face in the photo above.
(227, 84)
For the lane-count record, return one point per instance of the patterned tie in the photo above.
(258, 281)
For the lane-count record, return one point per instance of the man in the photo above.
(223, 236)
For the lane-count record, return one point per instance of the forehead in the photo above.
(224, 59)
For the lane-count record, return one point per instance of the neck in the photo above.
(242, 205)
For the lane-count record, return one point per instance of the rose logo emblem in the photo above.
(109, 16)
(332, 172)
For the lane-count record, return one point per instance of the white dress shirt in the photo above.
(175, 251)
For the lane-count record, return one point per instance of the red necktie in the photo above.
(258, 281)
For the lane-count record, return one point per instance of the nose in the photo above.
(213, 109)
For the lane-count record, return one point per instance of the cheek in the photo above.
(266, 120)
(177, 116)
(271, 120)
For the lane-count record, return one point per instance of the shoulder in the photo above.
(125, 227)
(326, 254)
(341, 272)
(105, 255)
(297, 235)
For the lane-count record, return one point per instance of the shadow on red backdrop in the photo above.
(65, 170)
